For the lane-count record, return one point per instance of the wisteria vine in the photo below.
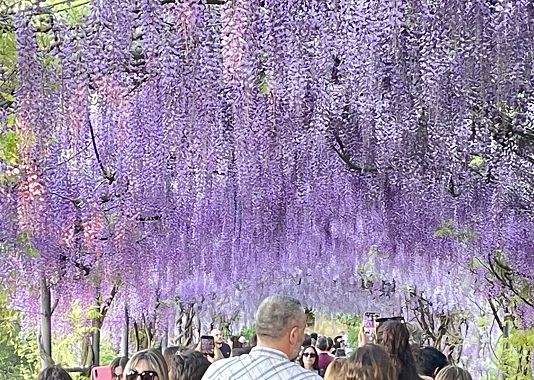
(179, 149)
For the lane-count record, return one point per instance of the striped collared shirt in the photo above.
(261, 364)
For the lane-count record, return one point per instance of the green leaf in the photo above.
(445, 229)
(8, 147)
(7, 96)
(477, 162)
(11, 118)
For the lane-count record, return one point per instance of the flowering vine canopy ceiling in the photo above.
(181, 148)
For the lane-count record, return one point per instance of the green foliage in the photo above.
(19, 354)
(449, 229)
(9, 140)
(247, 332)
(24, 240)
(70, 349)
(8, 147)
(264, 83)
(477, 162)
(482, 322)
(353, 323)
(19, 359)
(94, 312)
(107, 353)
(8, 59)
(513, 354)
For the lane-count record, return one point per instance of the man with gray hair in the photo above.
(324, 358)
(280, 324)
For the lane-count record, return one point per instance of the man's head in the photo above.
(322, 343)
(330, 343)
(54, 373)
(429, 361)
(217, 336)
(307, 340)
(280, 324)
(188, 365)
(338, 342)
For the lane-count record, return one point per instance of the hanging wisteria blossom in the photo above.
(178, 149)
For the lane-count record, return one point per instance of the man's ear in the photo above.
(436, 370)
(293, 335)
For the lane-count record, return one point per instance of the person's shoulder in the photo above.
(299, 373)
(304, 374)
(223, 369)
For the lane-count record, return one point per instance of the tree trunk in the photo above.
(137, 340)
(165, 340)
(125, 331)
(95, 341)
(45, 341)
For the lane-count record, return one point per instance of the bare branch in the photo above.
(496, 314)
(347, 160)
(108, 175)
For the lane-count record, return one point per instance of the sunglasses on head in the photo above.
(309, 354)
(382, 320)
(145, 375)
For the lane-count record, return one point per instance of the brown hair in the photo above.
(188, 365)
(336, 369)
(54, 373)
(170, 352)
(370, 362)
(395, 338)
(453, 373)
(119, 361)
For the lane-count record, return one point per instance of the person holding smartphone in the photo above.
(220, 344)
(393, 335)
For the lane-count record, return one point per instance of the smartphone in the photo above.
(369, 320)
(101, 373)
(207, 345)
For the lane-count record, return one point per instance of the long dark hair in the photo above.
(395, 338)
(315, 363)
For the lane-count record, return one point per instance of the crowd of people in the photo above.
(281, 350)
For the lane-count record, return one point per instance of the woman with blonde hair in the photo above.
(336, 369)
(146, 365)
(370, 362)
(453, 373)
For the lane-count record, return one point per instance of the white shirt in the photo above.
(261, 364)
